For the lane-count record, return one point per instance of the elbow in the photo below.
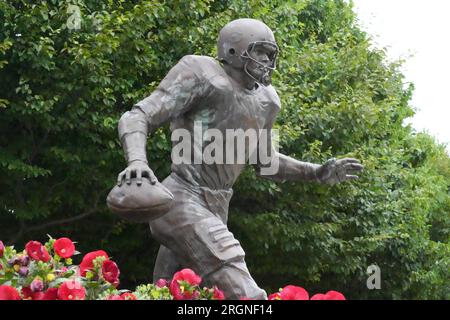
(132, 121)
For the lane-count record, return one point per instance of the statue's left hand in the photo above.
(337, 171)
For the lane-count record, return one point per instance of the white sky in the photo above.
(422, 29)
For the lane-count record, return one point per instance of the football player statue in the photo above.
(233, 92)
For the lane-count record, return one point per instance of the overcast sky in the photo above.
(422, 29)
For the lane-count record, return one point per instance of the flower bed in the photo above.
(46, 272)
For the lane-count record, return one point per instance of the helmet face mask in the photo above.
(260, 70)
(248, 45)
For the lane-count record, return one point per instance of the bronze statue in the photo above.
(233, 92)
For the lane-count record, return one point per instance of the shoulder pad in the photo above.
(209, 70)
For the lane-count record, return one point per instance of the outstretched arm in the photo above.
(332, 172)
(280, 167)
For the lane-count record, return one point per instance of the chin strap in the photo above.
(266, 77)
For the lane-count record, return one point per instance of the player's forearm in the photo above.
(290, 169)
(133, 135)
(295, 170)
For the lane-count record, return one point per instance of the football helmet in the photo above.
(250, 45)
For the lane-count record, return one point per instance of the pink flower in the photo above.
(9, 293)
(182, 286)
(37, 285)
(64, 247)
(330, 295)
(71, 290)
(37, 251)
(23, 260)
(87, 264)
(161, 283)
(218, 294)
(110, 271)
(294, 293)
(61, 271)
(2, 248)
(114, 297)
(23, 271)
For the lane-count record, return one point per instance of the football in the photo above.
(140, 203)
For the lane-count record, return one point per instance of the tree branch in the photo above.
(23, 230)
(62, 221)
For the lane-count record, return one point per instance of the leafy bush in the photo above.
(63, 91)
(46, 272)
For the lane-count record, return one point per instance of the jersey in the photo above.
(196, 94)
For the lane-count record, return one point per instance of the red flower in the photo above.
(181, 286)
(218, 294)
(2, 249)
(110, 271)
(64, 247)
(38, 295)
(128, 296)
(51, 294)
(87, 263)
(9, 293)
(114, 297)
(189, 276)
(274, 296)
(37, 251)
(294, 293)
(71, 290)
(334, 295)
(27, 293)
(330, 295)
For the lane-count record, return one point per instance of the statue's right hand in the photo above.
(138, 169)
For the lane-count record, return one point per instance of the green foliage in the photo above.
(152, 292)
(63, 91)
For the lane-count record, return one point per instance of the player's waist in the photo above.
(197, 186)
